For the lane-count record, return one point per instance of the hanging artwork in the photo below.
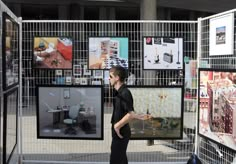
(10, 52)
(217, 111)
(105, 52)
(70, 112)
(165, 104)
(52, 52)
(222, 35)
(162, 53)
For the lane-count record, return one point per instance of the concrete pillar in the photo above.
(148, 11)
(102, 13)
(112, 13)
(63, 12)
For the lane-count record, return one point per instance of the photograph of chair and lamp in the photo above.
(52, 52)
(105, 52)
(217, 109)
(165, 104)
(10, 52)
(70, 112)
(10, 113)
(162, 53)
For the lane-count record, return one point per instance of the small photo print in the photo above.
(220, 35)
(86, 71)
(67, 73)
(68, 79)
(98, 73)
(149, 41)
(97, 82)
(157, 40)
(83, 81)
(77, 70)
(58, 72)
(77, 80)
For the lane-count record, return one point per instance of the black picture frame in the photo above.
(52, 52)
(10, 119)
(216, 109)
(165, 104)
(10, 52)
(84, 107)
(107, 51)
(163, 53)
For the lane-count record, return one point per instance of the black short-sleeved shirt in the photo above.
(123, 103)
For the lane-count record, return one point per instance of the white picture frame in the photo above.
(83, 81)
(221, 35)
(98, 73)
(77, 71)
(58, 72)
(86, 71)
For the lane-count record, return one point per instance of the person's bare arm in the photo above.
(127, 118)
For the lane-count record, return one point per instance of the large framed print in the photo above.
(222, 35)
(70, 112)
(10, 115)
(165, 104)
(105, 52)
(52, 52)
(217, 111)
(10, 52)
(162, 53)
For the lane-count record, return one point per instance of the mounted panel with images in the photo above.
(165, 104)
(105, 52)
(222, 35)
(10, 52)
(10, 115)
(217, 111)
(162, 53)
(70, 112)
(52, 52)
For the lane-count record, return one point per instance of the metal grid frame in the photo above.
(35, 150)
(208, 151)
(14, 158)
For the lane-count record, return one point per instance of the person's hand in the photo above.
(117, 130)
(145, 116)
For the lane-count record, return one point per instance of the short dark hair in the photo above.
(119, 71)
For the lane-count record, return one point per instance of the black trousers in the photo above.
(118, 150)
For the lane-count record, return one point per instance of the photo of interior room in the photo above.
(105, 52)
(52, 52)
(69, 112)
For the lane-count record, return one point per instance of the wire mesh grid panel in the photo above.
(40, 69)
(217, 142)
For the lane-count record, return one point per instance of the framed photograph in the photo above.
(77, 70)
(10, 113)
(76, 80)
(98, 73)
(58, 72)
(217, 113)
(68, 73)
(52, 52)
(162, 53)
(86, 72)
(83, 81)
(68, 80)
(165, 104)
(70, 112)
(105, 52)
(222, 35)
(106, 77)
(10, 52)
